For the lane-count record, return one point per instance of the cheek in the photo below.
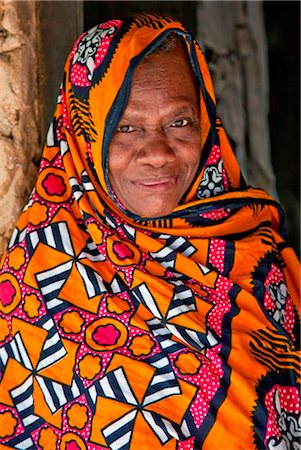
(118, 161)
(191, 157)
(191, 162)
(196, 159)
(115, 170)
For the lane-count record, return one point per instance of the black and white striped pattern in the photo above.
(91, 252)
(116, 386)
(167, 255)
(4, 355)
(17, 237)
(56, 236)
(23, 399)
(182, 302)
(164, 383)
(117, 285)
(163, 336)
(56, 394)
(86, 182)
(94, 283)
(181, 245)
(196, 339)
(129, 231)
(16, 350)
(53, 349)
(22, 443)
(77, 188)
(144, 296)
(118, 434)
(110, 220)
(165, 429)
(204, 269)
(51, 281)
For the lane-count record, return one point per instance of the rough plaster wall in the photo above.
(19, 137)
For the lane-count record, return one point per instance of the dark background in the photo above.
(282, 20)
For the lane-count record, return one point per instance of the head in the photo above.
(155, 151)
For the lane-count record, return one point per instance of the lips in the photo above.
(161, 183)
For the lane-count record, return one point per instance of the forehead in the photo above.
(168, 68)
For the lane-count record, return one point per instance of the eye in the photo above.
(125, 129)
(180, 123)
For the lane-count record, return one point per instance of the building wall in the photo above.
(19, 135)
(60, 24)
(35, 39)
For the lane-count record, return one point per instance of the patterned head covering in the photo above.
(123, 332)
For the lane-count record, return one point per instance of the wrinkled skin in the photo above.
(155, 151)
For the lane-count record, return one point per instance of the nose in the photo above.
(155, 150)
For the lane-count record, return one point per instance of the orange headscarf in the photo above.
(125, 332)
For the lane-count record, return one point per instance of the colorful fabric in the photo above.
(124, 332)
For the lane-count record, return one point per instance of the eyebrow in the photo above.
(171, 107)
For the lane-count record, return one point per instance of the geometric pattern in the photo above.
(143, 333)
(45, 382)
(182, 302)
(167, 255)
(51, 281)
(163, 335)
(120, 389)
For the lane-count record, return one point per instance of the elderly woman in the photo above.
(147, 296)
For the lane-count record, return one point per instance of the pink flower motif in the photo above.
(7, 293)
(72, 445)
(122, 251)
(54, 184)
(106, 335)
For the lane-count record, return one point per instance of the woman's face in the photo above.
(155, 151)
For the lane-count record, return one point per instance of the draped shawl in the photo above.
(127, 332)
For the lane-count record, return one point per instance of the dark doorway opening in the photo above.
(101, 11)
(282, 21)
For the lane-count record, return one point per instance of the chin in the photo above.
(154, 213)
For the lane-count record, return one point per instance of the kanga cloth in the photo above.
(124, 332)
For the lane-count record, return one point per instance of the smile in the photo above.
(157, 184)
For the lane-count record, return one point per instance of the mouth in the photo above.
(157, 184)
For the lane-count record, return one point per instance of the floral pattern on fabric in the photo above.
(274, 294)
(90, 52)
(121, 333)
(214, 180)
(281, 413)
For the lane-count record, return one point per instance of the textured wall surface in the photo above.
(19, 137)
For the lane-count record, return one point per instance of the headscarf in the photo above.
(127, 332)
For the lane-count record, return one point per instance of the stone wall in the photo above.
(19, 136)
